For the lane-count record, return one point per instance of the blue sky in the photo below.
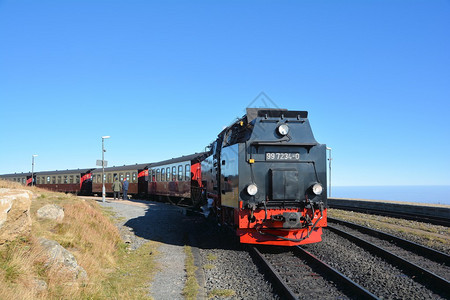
(163, 78)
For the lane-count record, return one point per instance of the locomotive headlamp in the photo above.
(283, 129)
(317, 189)
(252, 189)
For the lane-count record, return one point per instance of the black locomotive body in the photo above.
(266, 175)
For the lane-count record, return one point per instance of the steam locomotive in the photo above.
(264, 176)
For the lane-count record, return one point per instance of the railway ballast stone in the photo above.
(62, 261)
(51, 212)
(15, 218)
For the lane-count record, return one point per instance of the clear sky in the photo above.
(163, 78)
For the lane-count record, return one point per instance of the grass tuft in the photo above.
(210, 256)
(191, 286)
(209, 266)
(221, 293)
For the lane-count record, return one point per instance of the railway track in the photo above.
(402, 215)
(297, 274)
(424, 265)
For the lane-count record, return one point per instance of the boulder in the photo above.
(51, 212)
(62, 260)
(15, 218)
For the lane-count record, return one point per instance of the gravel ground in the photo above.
(371, 272)
(144, 221)
(224, 267)
(228, 267)
(226, 270)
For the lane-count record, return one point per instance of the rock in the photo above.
(39, 286)
(63, 260)
(15, 219)
(51, 211)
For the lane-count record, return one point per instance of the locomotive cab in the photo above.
(268, 178)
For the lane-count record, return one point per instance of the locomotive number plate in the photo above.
(282, 156)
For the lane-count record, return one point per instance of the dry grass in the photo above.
(191, 286)
(90, 235)
(434, 236)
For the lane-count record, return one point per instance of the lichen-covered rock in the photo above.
(51, 211)
(62, 260)
(39, 286)
(15, 219)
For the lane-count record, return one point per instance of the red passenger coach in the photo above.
(177, 179)
(75, 181)
(135, 175)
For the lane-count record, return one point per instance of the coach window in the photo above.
(65, 179)
(53, 179)
(167, 174)
(77, 179)
(153, 175)
(71, 179)
(174, 173)
(128, 177)
(180, 172)
(108, 179)
(121, 176)
(187, 172)
(133, 178)
(23, 180)
(163, 174)
(158, 175)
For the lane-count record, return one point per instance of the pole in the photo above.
(329, 173)
(103, 166)
(103, 169)
(32, 169)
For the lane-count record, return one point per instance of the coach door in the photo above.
(143, 182)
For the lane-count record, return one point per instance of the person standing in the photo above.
(116, 187)
(125, 188)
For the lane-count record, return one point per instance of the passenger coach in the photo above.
(177, 179)
(136, 175)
